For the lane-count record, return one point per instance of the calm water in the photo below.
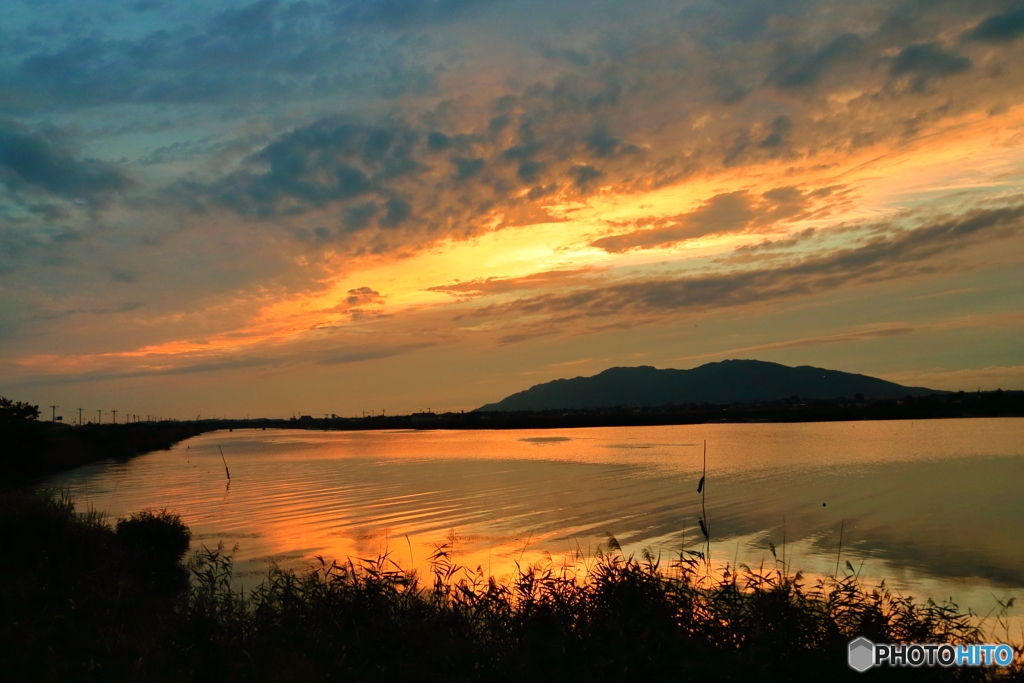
(934, 507)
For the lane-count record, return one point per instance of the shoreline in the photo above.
(40, 449)
(794, 410)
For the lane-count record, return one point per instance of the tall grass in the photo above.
(84, 616)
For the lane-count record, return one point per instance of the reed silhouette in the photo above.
(84, 604)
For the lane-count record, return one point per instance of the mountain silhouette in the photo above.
(728, 381)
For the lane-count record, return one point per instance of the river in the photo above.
(933, 507)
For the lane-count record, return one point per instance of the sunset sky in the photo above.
(323, 206)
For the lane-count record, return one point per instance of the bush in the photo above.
(159, 537)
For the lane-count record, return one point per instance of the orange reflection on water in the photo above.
(928, 506)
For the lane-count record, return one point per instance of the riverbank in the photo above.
(791, 410)
(33, 450)
(89, 602)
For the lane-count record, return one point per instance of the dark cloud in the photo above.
(779, 128)
(33, 162)
(529, 171)
(337, 356)
(359, 216)
(471, 160)
(360, 354)
(400, 14)
(383, 177)
(902, 255)
(266, 51)
(584, 175)
(467, 168)
(362, 295)
(567, 55)
(727, 89)
(601, 142)
(498, 124)
(398, 210)
(799, 70)
(358, 304)
(438, 141)
(257, 18)
(248, 362)
(720, 23)
(404, 179)
(998, 28)
(752, 252)
(520, 337)
(927, 60)
(327, 162)
(724, 213)
(500, 285)
(523, 152)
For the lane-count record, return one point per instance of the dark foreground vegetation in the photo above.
(87, 602)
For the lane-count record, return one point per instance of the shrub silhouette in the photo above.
(158, 536)
(156, 542)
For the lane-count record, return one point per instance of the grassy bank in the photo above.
(34, 449)
(86, 601)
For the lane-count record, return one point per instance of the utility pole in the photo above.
(114, 413)
(99, 417)
(53, 413)
(79, 417)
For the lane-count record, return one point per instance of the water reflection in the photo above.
(935, 506)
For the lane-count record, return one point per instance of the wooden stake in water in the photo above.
(839, 555)
(226, 471)
(703, 511)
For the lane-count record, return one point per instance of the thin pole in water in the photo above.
(839, 555)
(703, 511)
(226, 471)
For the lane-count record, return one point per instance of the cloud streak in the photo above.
(906, 254)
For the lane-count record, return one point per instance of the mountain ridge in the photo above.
(722, 382)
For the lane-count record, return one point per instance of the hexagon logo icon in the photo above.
(861, 654)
